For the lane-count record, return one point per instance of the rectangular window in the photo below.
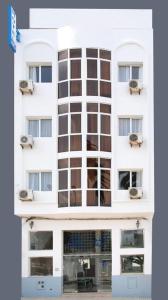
(40, 181)
(129, 179)
(132, 239)
(40, 73)
(128, 72)
(129, 125)
(132, 263)
(41, 240)
(92, 68)
(40, 127)
(41, 266)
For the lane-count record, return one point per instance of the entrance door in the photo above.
(84, 271)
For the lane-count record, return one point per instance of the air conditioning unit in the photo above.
(26, 86)
(26, 195)
(135, 193)
(135, 139)
(135, 86)
(26, 141)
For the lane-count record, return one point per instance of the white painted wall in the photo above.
(128, 34)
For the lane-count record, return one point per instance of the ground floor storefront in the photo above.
(64, 257)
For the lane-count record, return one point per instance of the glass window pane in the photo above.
(124, 73)
(46, 128)
(63, 199)
(92, 68)
(63, 163)
(63, 144)
(75, 162)
(46, 181)
(34, 181)
(137, 125)
(92, 178)
(92, 88)
(79, 242)
(63, 180)
(33, 128)
(63, 55)
(91, 52)
(75, 123)
(132, 263)
(41, 240)
(105, 179)
(62, 109)
(63, 124)
(105, 108)
(62, 70)
(105, 70)
(75, 198)
(124, 180)
(41, 266)
(137, 179)
(34, 73)
(76, 88)
(105, 124)
(92, 107)
(105, 198)
(92, 162)
(46, 74)
(105, 89)
(92, 142)
(75, 53)
(105, 163)
(105, 54)
(75, 69)
(135, 72)
(76, 143)
(105, 143)
(75, 179)
(75, 107)
(132, 239)
(92, 198)
(124, 126)
(63, 89)
(92, 123)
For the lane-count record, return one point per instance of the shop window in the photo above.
(41, 266)
(41, 240)
(132, 239)
(132, 263)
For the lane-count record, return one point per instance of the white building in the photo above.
(84, 186)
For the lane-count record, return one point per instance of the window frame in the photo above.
(39, 65)
(127, 255)
(131, 65)
(40, 180)
(41, 256)
(132, 229)
(130, 178)
(29, 241)
(39, 119)
(131, 118)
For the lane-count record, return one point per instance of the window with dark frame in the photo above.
(132, 238)
(132, 263)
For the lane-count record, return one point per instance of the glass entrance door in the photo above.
(86, 271)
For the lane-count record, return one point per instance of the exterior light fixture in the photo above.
(137, 224)
(31, 224)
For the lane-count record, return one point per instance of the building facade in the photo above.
(84, 151)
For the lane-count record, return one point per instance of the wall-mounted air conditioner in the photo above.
(135, 139)
(135, 193)
(26, 141)
(135, 86)
(26, 195)
(26, 86)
